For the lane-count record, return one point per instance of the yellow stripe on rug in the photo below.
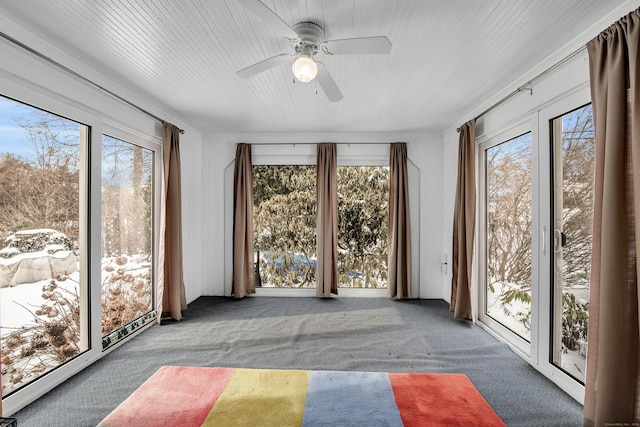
(255, 397)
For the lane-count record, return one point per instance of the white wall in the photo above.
(448, 189)
(215, 157)
(193, 214)
(424, 151)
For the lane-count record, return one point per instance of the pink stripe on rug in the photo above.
(185, 394)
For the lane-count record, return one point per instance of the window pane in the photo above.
(363, 210)
(573, 177)
(284, 225)
(44, 304)
(127, 243)
(508, 231)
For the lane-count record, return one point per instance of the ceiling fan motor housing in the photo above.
(310, 36)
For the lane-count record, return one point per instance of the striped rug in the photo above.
(199, 396)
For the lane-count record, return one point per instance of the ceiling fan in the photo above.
(307, 40)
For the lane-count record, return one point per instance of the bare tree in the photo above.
(126, 196)
(41, 190)
(509, 214)
(578, 170)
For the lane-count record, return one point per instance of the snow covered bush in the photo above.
(27, 241)
(51, 339)
(53, 335)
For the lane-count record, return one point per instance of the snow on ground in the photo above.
(570, 360)
(574, 364)
(496, 312)
(13, 315)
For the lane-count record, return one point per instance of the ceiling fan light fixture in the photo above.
(304, 68)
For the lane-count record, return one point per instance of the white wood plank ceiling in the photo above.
(448, 56)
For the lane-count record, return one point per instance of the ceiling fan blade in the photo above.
(362, 45)
(327, 83)
(261, 66)
(268, 16)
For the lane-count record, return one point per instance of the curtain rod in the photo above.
(527, 86)
(80, 76)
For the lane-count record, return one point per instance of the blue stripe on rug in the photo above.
(336, 398)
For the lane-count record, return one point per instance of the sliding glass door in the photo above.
(60, 207)
(536, 210)
(573, 162)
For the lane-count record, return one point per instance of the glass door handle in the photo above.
(559, 240)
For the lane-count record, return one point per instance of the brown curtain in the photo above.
(464, 217)
(612, 384)
(327, 217)
(243, 263)
(170, 289)
(399, 265)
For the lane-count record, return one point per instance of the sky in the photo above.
(16, 140)
(13, 139)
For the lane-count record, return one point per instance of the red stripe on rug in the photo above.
(185, 396)
(441, 400)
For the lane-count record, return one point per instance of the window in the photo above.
(284, 218)
(363, 223)
(284, 225)
(127, 238)
(43, 289)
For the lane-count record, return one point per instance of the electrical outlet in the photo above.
(444, 262)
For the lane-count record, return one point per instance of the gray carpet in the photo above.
(351, 334)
